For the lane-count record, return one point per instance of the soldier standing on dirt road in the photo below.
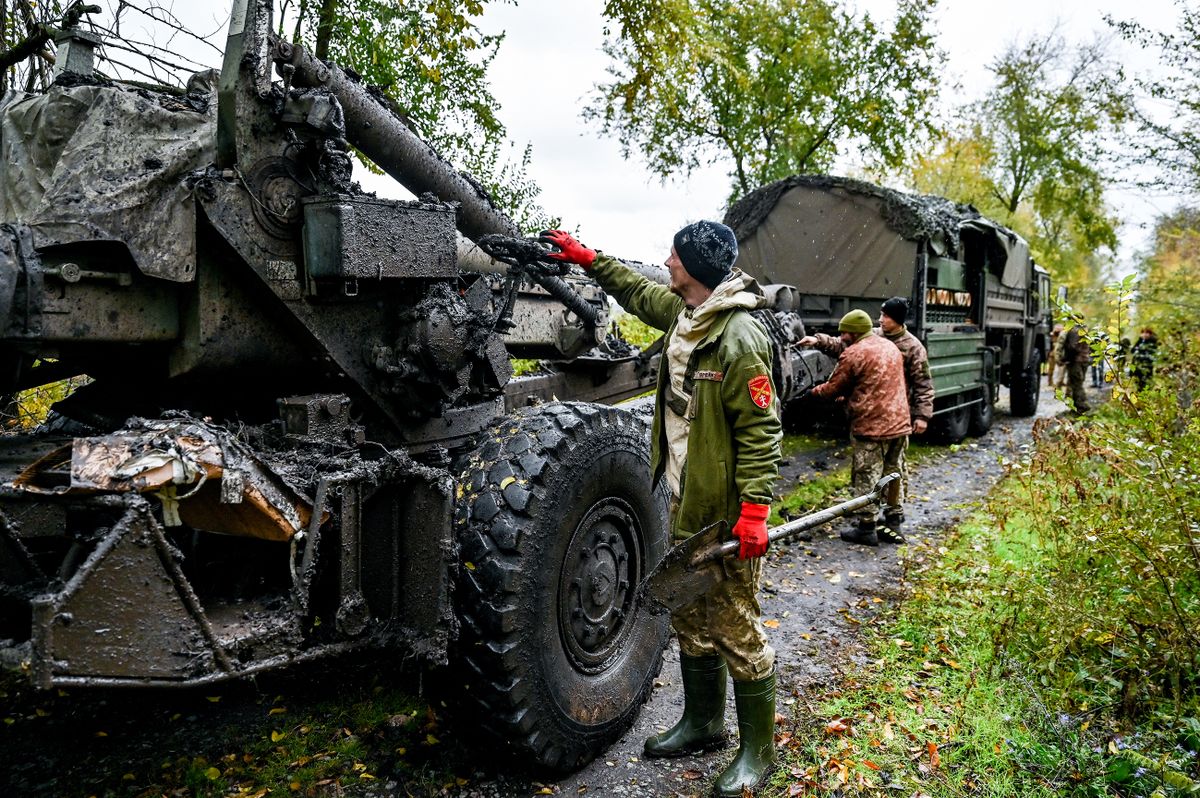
(716, 435)
(919, 384)
(1077, 355)
(870, 374)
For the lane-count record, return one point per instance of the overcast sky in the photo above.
(551, 60)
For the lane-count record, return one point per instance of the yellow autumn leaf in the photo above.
(276, 736)
(101, 734)
(212, 774)
(431, 740)
(771, 624)
(504, 483)
(213, 698)
(277, 711)
(470, 566)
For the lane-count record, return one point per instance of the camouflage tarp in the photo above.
(89, 160)
(842, 237)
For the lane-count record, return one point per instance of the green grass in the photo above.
(810, 495)
(938, 712)
(816, 492)
(637, 332)
(366, 731)
(381, 732)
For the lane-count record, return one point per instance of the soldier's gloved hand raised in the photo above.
(751, 530)
(569, 250)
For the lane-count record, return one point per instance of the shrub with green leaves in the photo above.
(1115, 608)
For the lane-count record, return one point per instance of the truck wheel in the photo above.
(558, 522)
(982, 414)
(953, 425)
(1026, 388)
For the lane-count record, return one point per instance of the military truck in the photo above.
(978, 301)
(300, 436)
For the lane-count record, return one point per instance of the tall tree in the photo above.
(768, 87)
(1046, 115)
(1169, 289)
(1031, 155)
(1167, 110)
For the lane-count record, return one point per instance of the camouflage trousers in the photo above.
(1075, 374)
(870, 460)
(725, 621)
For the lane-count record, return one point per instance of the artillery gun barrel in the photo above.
(386, 140)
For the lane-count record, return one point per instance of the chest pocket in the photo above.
(689, 384)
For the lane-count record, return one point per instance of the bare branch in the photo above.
(170, 21)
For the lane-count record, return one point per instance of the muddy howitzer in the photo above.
(301, 436)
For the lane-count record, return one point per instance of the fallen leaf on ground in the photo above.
(836, 726)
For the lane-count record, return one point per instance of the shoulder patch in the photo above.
(760, 390)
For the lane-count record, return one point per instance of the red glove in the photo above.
(569, 250)
(751, 530)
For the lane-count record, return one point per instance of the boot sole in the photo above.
(701, 747)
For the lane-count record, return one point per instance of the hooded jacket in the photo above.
(725, 394)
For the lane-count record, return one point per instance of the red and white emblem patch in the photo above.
(760, 390)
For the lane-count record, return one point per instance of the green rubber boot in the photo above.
(755, 759)
(702, 727)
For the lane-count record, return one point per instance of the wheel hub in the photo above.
(600, 575)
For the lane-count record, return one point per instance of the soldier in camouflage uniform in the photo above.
(919, 384)
(716, 437)
(870, 374)
(1078, 355)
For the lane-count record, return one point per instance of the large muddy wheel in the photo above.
(558, 522)
(1026, 388)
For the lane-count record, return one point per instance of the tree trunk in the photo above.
(325, 17)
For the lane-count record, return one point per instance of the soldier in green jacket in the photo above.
(715, 437)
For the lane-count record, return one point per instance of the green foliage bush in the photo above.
(1109, 609)
(635, 331)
